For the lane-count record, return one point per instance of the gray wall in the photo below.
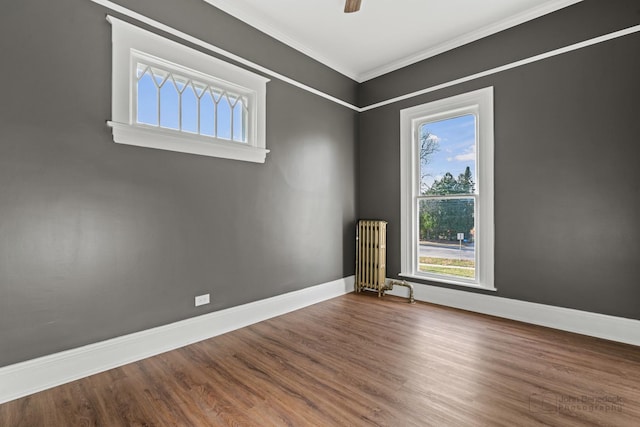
(567, 156)
(99, 240)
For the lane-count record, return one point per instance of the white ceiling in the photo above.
(386, 34)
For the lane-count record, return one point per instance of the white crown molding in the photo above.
(259, 22)
(512, 21)
(32, 376)
(565, 319)
(212, 48)
(522, 62)
(165, 28)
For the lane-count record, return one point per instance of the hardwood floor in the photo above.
(358, 361)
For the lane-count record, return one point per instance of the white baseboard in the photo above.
(32, 376)
(566, 319)
(35, 375)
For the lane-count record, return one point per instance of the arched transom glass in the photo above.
(169, 100)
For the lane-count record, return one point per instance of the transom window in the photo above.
(173, 101)
(447, 190)
(169, 96)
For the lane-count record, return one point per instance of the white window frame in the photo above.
(131, 45)
(480, 104)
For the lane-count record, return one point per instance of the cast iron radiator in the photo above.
(371, 259)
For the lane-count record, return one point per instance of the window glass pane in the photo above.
(207, 115)
(189, 110)
(224, 118)
(147, 100)
(173, 101)
(180, 82)
(160, 76)
(140, 70)
(447, 237)
(200, 88)
(238, 122)
(448, 156)
(169, 106)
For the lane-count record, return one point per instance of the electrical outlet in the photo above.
(202, 300)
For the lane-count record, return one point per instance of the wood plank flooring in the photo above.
(358, 360)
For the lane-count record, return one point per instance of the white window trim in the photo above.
(480, 103)
(129, 44)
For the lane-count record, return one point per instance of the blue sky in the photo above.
(456, 147)
(174, 108)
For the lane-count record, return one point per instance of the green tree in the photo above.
(465, 182)
(448, 184)
(443, 219)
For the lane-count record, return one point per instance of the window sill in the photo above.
(163, 139)
(448, 281)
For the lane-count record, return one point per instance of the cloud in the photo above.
(466, 157)
(469, 156)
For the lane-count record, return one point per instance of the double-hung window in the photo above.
(447, 220)
(172, 97)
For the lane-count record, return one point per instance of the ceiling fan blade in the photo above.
(352, 6)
